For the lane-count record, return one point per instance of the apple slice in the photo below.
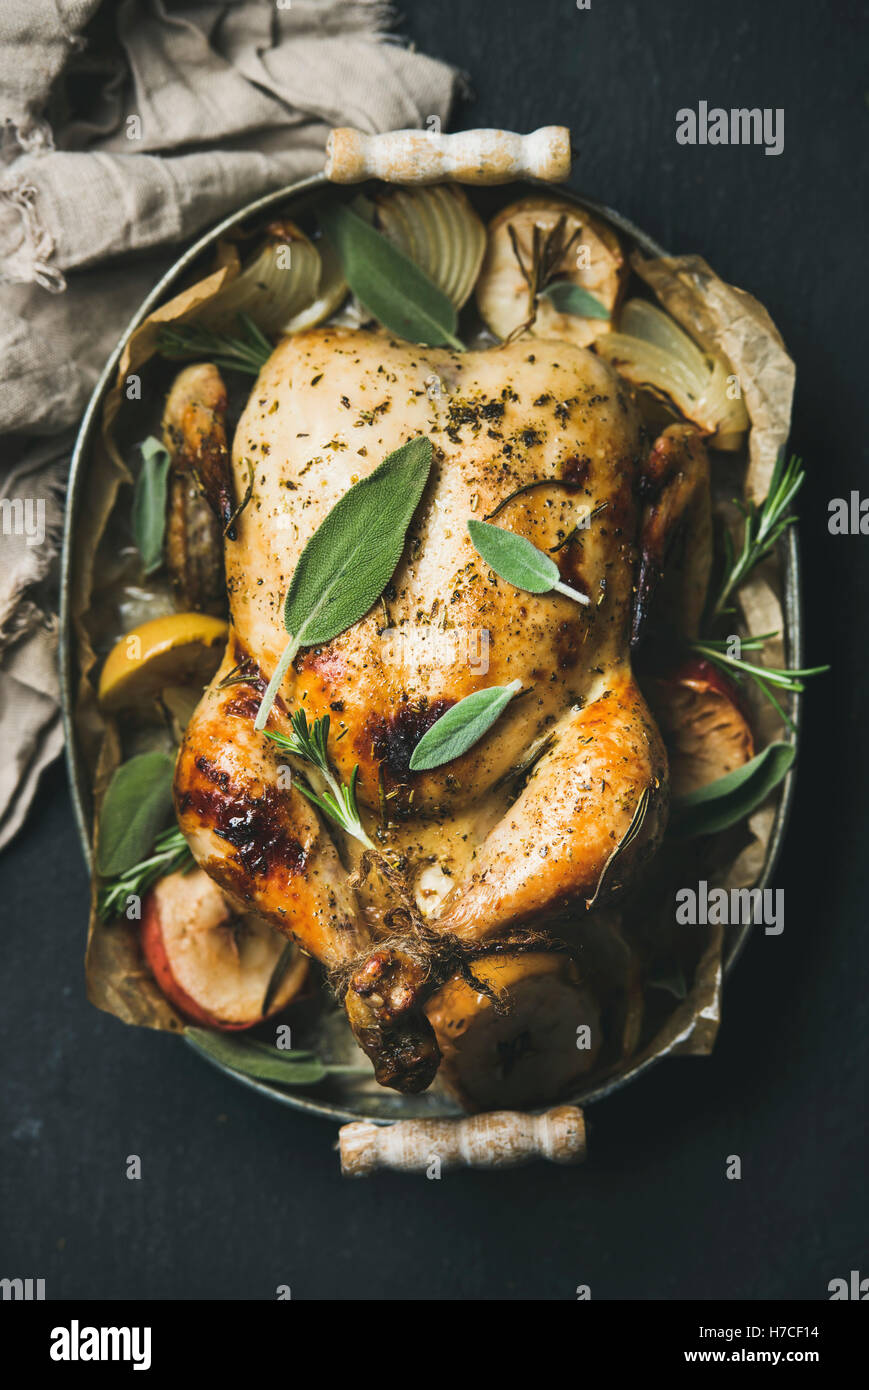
(700, 715)
(213, 965)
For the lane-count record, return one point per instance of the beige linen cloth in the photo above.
(126, 128)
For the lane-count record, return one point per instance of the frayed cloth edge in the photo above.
(29, 263)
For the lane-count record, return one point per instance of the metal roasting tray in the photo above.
(375, 1104)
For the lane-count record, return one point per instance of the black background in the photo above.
(240, 1195)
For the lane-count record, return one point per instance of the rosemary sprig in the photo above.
(606, 883)
(763, 527)
(243, 673)
(549, 253)
(309, 744)
(766, 678)
(170, 854)
(246, 351)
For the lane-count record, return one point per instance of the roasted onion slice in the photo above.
(655, 354)
(437, 229)
(538, 244)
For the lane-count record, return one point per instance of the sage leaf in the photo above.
(462, 726)
(518, 561)
(149, 503)
(390, 285)
(731, 798)
(352, 555)
(257, 1060)
(568, 298)
(136, 806)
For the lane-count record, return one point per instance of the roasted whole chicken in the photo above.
(454, 932)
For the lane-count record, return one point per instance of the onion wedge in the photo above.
(288, 285)
(437, 229)
(655, 354)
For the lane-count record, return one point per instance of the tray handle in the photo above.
(498, 1139)
(426, 156)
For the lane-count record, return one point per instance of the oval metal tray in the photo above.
(378, 1105)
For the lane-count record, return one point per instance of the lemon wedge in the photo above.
(180, 649)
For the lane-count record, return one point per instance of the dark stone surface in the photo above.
(239, 1195)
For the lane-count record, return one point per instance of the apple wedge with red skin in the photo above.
(213, 965)
(702, 721)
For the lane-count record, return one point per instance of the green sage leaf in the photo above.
(514, 558)
(462, 726)
(518, 561)
(257, 1060)
(136, 806)
(573, 299)
(388, 283)
(352, 555)
(149, 503)
(730, 799)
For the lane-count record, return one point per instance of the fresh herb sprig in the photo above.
(766, 678)
(248, 350)
(338, 802)
(763, 526)
(171, 854)
(549, 253)
(731, 798)
(265, 1062)
(462, 726)
(283, 964)
(391, 286)
(517, 560)
(607, 883)
(351, 557)
(149, 503)
(568, 298)
(136, 806)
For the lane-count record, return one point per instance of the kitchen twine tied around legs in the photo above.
(437, 954)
